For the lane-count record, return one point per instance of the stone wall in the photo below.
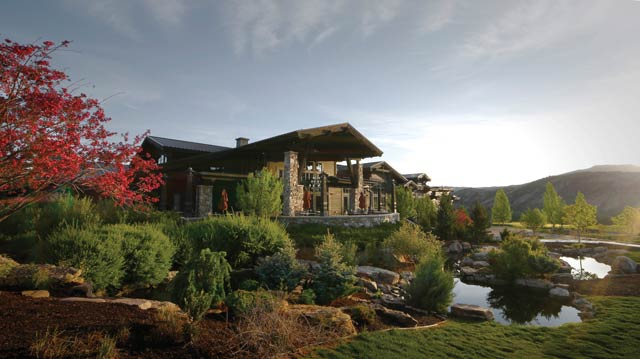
(204, 198)
(370, 220)
(292, 194)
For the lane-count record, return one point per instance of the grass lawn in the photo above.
(613, 333)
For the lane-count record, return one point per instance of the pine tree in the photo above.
(501, 211)
(260, 194)
(481, 222)
(446, 219)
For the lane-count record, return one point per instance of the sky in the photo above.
(473, 93)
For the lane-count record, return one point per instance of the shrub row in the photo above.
(112, 255)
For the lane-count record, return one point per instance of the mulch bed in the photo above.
(628, 285)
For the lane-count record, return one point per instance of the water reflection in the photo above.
(517, 304)
(587, 268)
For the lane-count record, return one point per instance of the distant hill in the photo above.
(610, 187)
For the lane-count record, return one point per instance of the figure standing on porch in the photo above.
(223, 205)
(362, 202)
(307, 200)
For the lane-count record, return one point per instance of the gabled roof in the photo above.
(326, 143)
(163, 142)
(417, 177)
(377, 166)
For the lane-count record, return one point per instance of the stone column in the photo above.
(205, 200)
(356, 188)
(292, 192)
(324, 209)
(393, 196)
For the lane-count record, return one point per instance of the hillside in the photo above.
(609, 187)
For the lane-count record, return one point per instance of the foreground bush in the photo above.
(66, 209)
(100, 259)
(519, 257)
(147, 252)
(202, 283)
(334, 278)
(280, 271)
(243, 239)
(433, 286)
(411, 243)
(312, 235)
(241, 302)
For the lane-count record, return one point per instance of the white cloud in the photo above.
(122, 16)
(166, 11)
(534, 25)
(263, 25)
(437, 15)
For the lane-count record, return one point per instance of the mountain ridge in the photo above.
(610, 187)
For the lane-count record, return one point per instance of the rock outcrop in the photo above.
(471, 312)
(379, 275)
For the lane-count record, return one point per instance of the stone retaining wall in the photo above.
(369, 220)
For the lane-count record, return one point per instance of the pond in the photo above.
(517, 305)
(587, 267)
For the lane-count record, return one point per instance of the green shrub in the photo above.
(244, 239)
(23, 247)
(147, 251)
(260, 194)
(249, 284)
(308, 296)
(519, 257)
(410, 242)
(312, 235)
(66, 209)
(433, 286)
(240, 302)
(426, 213)
(202, 282)
(20, 222)
(100, 259)
(280, 271)
(334, 278)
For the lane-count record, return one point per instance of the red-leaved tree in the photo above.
(51, 137)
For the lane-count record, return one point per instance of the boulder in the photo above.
(599, 249)
(396, 317)
(559, 292)
(471, 311)
(24, 276)
(616, 252)
(466, 246)
(481, 256)
(392, 301)
(624, 265)
(455, 247)
(379, 275)
(408, 276)
(468, 271)
(36, 293)
(331, 317)
(534, 283)
(561, 278)
(583, 305)
(481, 264)
(368, 284)
(80, 299)
(467, 262)
(140, 303)
(83, 290)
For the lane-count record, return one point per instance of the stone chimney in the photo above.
(241, 141)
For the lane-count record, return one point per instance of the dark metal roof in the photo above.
(416, 176)
(164, 142)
